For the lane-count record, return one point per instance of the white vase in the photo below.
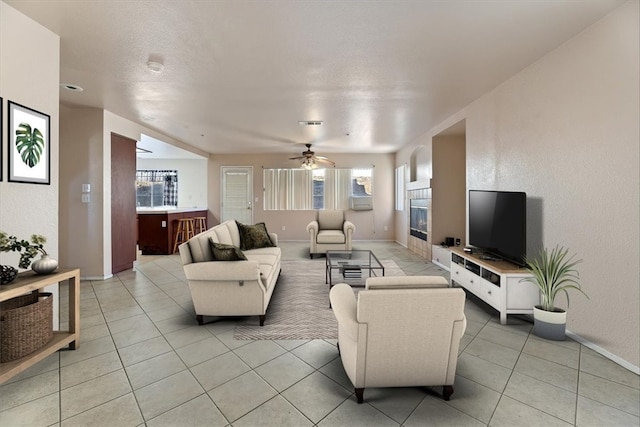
(44, 265)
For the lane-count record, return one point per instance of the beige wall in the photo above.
(81, 162)
(369, 224)
(86, 231)
(28, 209)
(449, 188)
(565, 130)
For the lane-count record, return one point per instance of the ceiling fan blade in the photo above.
(322, 157)
(325, 160)
(297, 158)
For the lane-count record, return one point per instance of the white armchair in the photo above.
(330, 232)
(400, 332)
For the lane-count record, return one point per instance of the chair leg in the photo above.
(447, 391)
(200, 319)
(359, 394)
(338, 345)
(262, 317)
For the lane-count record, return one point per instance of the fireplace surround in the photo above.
(420, 245)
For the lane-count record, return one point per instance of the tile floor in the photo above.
(143, 360)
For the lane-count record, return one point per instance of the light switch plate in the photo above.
(86, 188)
(86, 198)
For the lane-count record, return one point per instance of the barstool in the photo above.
(200, 224)
(184, 232)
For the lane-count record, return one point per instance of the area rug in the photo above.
(299, 307)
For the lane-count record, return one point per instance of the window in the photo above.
(301, 189)
(400, 177)
(318, 188)
(156, 188)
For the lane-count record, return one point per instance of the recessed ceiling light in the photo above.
(71, 87)
(310, 122)
(155, 67)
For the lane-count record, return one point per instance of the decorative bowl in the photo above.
(7, 274)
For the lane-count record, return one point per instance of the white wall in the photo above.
(192, 178)
(565, 130)
(27, 209)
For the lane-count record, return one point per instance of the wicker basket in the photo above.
(26, 325)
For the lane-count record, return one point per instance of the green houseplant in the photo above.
(27, 249)
(553, 272)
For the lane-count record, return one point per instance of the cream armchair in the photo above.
(400, 332)
(330, 232)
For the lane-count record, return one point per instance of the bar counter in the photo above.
(157, 227)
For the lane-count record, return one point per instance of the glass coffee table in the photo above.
(349, 266)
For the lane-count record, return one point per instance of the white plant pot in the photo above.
(550, 325)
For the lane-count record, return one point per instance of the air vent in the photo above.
(310, 123)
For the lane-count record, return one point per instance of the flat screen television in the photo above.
(498, 223)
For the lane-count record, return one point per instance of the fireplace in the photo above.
(418, 218)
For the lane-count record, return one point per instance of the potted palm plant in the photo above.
(553, 272)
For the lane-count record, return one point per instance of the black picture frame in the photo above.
(28, 145)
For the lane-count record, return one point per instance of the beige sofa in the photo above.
(229, 288)
(400, 332)
(330, 232)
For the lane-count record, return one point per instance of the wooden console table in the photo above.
(28, 281)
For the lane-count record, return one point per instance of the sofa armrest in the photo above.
(464, 325)
(274, 238)
(312, 228)
(406, 282)
(348, 227)
(222, 270)
(343, 303)
(185, 253)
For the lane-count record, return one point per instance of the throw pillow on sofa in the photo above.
(254, 236)
(224, 252)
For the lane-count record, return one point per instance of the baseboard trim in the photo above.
(627, 365)
(442, 266)
(109, 276)
(404, 245)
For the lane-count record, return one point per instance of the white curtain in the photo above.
(287, 189)
(337, 189)
(292, 189)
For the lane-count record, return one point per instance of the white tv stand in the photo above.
(498, 283)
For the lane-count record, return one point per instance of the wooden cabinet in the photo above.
(30, 282)
(441, 256)
(498, 283)
(157, 229)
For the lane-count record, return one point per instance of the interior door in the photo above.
(237, 194)
(123, 203)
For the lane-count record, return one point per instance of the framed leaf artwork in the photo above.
(29, 145)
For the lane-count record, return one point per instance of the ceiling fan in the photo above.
(310, 160)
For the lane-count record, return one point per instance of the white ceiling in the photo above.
(239, 75)
(152, 148)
